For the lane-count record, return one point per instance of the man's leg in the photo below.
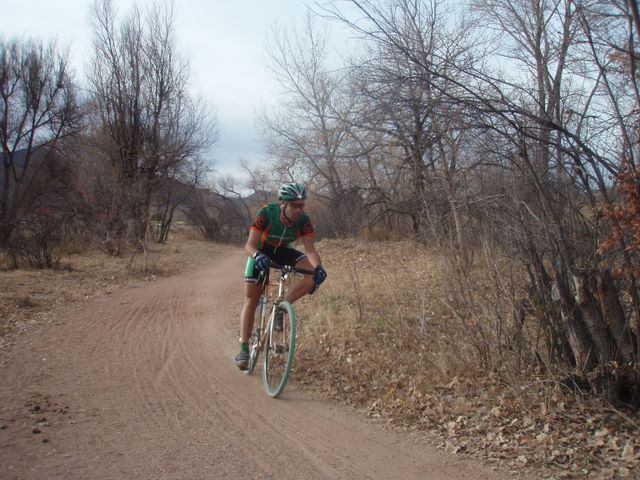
(251, 299)
(303, 286)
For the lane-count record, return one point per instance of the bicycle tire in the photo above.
(279, 349)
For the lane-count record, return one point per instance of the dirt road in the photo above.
(140, 384)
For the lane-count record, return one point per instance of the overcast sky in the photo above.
(224, 41)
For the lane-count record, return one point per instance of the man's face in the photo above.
(293, 210)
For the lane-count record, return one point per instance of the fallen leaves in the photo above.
(523, 422)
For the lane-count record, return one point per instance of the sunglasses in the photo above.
(299, 205)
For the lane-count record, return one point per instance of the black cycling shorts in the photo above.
(283, 256)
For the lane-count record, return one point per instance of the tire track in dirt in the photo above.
(151, 392)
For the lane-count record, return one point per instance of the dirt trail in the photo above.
(140, 384)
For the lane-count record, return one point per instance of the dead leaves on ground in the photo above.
(526, 423)
(563, 437)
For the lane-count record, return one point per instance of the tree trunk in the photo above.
(165, 226)
(616, 376)
(609, 298)
(592, 315)
(579, 338)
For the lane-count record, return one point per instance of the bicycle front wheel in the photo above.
(279, 347)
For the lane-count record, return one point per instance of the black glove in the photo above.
(262, 262)
(319, 275)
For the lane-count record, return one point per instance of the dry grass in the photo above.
(396, 332)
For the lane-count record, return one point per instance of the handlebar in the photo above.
(287, 268)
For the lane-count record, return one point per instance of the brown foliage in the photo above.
(624, 218)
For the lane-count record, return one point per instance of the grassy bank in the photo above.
(393, 332)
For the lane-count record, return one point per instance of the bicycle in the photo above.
(278, 344)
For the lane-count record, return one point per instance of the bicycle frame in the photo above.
(264, 301)
(284, 273)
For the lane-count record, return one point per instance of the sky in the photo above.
(224, 41)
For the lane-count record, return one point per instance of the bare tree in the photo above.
(38, 111)
(150, 123)
(221, 212)
(551, 129)
(416, 111)
(308, 136)
(564, 158)
(183, 167)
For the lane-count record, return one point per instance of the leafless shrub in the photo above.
(37, 243)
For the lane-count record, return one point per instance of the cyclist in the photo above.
(276, 226)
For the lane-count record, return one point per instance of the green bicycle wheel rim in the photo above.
(275, 392)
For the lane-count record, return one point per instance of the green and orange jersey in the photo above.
(274, 230)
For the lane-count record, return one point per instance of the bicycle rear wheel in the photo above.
(279, 347)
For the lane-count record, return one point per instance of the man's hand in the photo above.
(319, 275)
(262, 262)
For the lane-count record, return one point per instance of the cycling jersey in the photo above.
(273, 230)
